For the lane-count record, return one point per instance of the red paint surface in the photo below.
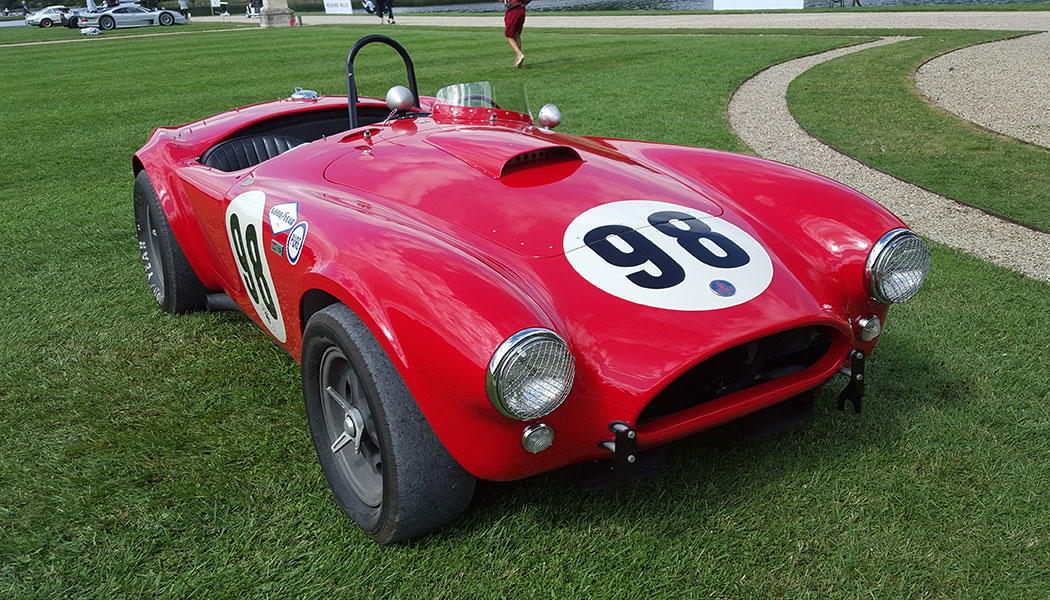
(444, 254)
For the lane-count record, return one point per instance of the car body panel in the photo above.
(128, 15)
(48, 16)
(444, 249)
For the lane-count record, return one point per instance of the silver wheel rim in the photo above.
(355, 454)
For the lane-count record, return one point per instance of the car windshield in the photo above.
(503, 95)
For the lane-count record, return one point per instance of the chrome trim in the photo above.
(870, 278)
(531, 429)
(492, 385)
(400, 98)
(300, 94)
(549, 117)
(870, 328)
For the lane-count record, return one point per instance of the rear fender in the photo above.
(156, 159)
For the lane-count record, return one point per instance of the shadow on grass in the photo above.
(718, 470)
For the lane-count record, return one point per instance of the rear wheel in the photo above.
(107, 23)
(166, 19)
(386, 468)
(175, 286)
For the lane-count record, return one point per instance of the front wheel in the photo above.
(166, 19)
(171, 278)
(386, 468)
(106, 23)
(45, 23)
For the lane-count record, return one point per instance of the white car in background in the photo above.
(52, 15)
(130, 15)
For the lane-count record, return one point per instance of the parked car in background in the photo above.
(52, 15)
(129, 15)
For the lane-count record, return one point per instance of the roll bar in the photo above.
(351, 84)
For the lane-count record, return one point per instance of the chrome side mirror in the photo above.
(550, 116)
(399, 98)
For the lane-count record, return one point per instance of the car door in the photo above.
(120, 17)
(140, 16)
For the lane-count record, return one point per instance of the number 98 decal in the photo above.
(667, 256)
(244, 219)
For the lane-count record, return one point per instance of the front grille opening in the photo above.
(741, 367)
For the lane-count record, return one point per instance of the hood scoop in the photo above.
(541, 157)
(497, 153)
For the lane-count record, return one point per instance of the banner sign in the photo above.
(338, 7)
(757, 4)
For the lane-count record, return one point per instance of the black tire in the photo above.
(45, 23)
(171, 278)
(166, 19)
(72, 23)
(106, 23)
(422, 486)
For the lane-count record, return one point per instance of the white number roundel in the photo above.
(667, 256)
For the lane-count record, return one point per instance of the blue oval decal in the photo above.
(723, 288)
(296, 241)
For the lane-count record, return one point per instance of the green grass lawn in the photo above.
(879, 118)
(145, 455)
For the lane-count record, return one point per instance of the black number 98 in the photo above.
(692, 234)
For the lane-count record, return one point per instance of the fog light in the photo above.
(870, 328)
(537, 438)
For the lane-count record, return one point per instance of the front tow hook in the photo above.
(855, 388)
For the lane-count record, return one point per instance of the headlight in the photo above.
(897, 266)
(530, 374)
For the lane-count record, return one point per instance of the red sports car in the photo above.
(471, 294)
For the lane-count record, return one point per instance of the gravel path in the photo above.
(759, 115)
(1003, 86)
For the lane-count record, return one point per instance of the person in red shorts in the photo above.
(514, 20)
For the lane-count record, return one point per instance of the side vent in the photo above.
(539, 158)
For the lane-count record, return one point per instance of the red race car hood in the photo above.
(519, 187)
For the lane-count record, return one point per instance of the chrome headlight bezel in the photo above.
(500, 362)
(881, 255)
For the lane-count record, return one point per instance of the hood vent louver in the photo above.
(538, 158)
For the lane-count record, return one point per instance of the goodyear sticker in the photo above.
(283, 216)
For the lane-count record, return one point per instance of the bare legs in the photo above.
(515, 44)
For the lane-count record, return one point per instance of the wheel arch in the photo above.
(440, 343)
(312, 301)
(179, 215)
(322, 291)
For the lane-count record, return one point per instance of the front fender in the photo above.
(439, 310)
(821, 229)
